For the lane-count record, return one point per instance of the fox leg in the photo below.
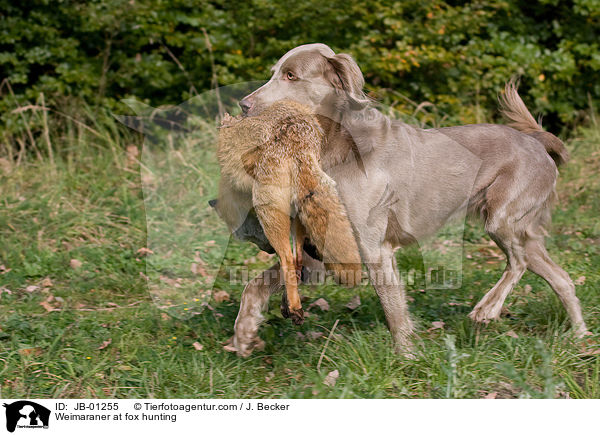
(273, 211)
(299, 234)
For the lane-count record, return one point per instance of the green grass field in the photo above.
(77, 318)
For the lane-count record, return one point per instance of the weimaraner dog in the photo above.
(400, 184)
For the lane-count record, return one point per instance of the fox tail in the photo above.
(324, 217)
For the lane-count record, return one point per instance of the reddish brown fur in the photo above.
(276, 157)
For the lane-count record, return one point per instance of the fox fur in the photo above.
(271, 162)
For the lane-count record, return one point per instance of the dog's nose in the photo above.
(245, 105)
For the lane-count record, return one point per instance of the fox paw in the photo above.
(297, 316)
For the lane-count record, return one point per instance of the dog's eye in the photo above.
(290, 76)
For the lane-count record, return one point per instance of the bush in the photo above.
(455, 55)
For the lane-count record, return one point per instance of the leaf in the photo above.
(331, 378)
(105, 344)
(589, 347)
(5, 166)
(512, 334)
(47, 306)
(75, 264)
(31, 351)
(198, 269)
(321, 303)
(491, 395)
(313, 335)
(264, 257)
(144, 251)
(132, 154)
(31, 288)
(197, 345)
(221, 296)
(4, 269)
(436, 325)
(580, 280)
(354, 303)
(46, 282)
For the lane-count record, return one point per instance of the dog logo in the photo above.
(25, 414)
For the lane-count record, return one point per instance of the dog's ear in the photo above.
(344, 74)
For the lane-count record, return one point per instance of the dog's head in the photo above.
(312, 75)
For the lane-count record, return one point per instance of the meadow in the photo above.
(89, 306)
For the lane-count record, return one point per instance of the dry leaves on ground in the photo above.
(75, 264)
(321, 303)
(331, 378)
(31, 351)
(264, 257)
(105, 344)
(436, 325)
(197, 345)
(51, 304)
(144, 251)
(354, 303)
(313, 335)
(198, 269)
(132, 155)
(220, 296)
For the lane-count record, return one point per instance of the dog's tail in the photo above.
(327, 226)
(519, 117)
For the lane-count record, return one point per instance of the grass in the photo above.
(114, 322)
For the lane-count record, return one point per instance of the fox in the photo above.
(270, 165)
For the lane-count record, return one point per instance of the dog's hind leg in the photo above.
(540, 263)
(490, 306)
(508, 211)
(384, 277)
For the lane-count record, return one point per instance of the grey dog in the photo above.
(400, 184)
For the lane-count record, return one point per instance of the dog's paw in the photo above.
(241, 349)
(484, 314)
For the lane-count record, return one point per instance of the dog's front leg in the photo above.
(384, 277)
(255, 299)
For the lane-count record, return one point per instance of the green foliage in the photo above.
(455, 55)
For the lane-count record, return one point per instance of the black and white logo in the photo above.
(25, 414)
